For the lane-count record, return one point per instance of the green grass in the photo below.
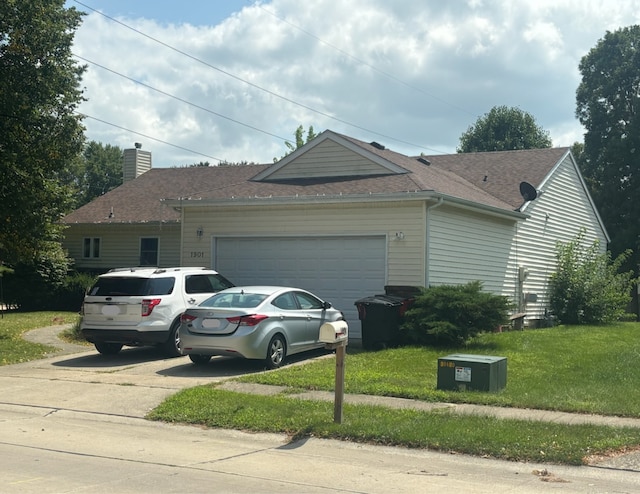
(515, 440)
(577, 369)
(13, 348)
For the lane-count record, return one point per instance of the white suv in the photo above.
(142, 306)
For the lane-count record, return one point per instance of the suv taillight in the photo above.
(251, 320)
(148, 304)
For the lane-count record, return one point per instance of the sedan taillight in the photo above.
(148, 304)
(187, 318)
(250, 320)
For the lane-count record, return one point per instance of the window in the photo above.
(308, 301)
(132, 286)
(91, 248)
(149, 251)
(285, 302)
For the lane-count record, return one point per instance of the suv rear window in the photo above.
(132, 287)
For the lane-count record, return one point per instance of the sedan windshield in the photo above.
(235, 300)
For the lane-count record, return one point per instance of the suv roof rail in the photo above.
(116, 270)
(158, 270)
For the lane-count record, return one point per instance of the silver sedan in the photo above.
(255, 322)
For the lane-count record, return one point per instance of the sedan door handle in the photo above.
(192, 300)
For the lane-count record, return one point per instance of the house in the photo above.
(344, 218)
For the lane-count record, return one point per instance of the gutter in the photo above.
(182, 203)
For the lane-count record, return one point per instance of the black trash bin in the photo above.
(381, 317)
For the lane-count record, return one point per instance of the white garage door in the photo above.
(340, 270)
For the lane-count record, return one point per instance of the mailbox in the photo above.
(334, 332)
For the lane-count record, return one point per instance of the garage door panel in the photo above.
(340, 270)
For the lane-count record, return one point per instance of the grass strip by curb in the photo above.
(514, 440)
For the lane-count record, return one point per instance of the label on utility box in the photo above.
(463, 374)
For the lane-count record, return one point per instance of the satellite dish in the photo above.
(528, 191)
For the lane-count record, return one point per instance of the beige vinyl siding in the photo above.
(557, 215)
(405, 258)
(328, 159)
(120, 244)
(465, 247)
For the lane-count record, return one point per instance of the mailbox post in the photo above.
(335, 336)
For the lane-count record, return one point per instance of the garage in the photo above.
(339, 269)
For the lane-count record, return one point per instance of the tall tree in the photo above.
(504, 129)
(102, 171)
(39, 132)
(608, 100)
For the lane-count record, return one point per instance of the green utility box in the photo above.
(461, 372)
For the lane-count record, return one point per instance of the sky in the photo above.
(231, 80)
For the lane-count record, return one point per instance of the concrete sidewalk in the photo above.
(629, 461)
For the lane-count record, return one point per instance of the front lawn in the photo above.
(578, 369)
(586, 369)
(13, 348)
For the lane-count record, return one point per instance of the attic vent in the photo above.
(424, 161)
(377, 145)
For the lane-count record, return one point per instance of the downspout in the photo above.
(181, 233)
(427, 266)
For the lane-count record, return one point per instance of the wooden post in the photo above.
(339, 385)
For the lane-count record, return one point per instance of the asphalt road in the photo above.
(74, 423)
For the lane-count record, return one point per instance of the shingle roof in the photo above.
(458, 175)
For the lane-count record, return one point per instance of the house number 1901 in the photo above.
(197, 253)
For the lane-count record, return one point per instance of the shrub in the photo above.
(587, 287)
(453, 314)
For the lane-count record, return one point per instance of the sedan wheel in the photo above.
(199, 359)
(276, 352)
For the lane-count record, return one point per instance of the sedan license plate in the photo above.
(211, 323)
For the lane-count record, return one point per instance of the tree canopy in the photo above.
(608, 99)
(102, 171)
(39, 131)
(504, 129)
(300, 140)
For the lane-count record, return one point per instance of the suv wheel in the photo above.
(108, 348)
(171, 347)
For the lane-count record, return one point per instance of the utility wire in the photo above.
(360, 61)
(148, 136)
(179, 99)
(256, 86)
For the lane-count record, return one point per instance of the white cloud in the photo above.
(385, 71)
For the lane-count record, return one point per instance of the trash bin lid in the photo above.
(387, 300)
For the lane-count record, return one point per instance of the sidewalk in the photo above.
(629, 461)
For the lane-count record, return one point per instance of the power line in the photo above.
(149, 137)
(360, 61)
(256, 86)
(180, 99)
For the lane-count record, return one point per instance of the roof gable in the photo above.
(330, 155)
